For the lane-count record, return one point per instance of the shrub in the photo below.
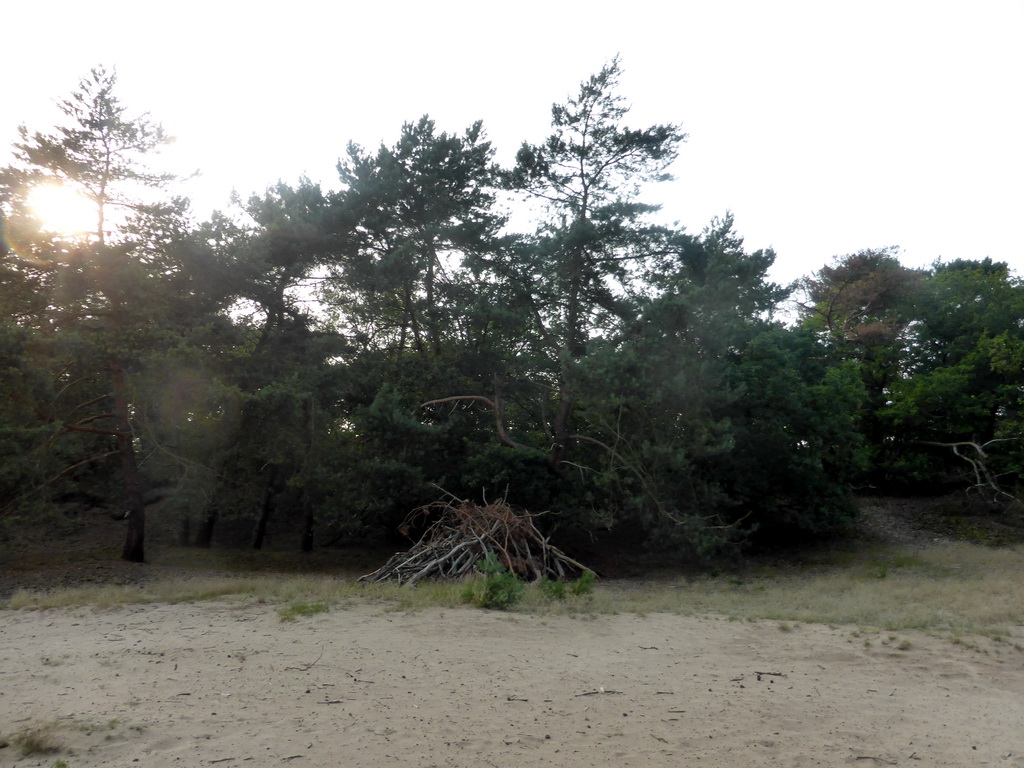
(498, 588)
(553, 590)
(584, 585)
(557, 590)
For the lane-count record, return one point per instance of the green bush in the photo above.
(553, 590)
(557, 590)
(584, 585)
(497, 588)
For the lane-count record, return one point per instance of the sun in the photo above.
(62, 210)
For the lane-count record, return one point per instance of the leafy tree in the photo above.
(963, 382)
(578, 275)
(409, 213)
(862, 305)
(718, 422)
(98, 294)
(99, 151)
(280, 365)
(412, 223)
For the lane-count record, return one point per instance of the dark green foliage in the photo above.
(939, 353)
(323, 362)
(964, 369)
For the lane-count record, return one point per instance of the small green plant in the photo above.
(290, 612)
(498, 588)
(558, 590)
(60, 764)
(553, 590)
(584, 585)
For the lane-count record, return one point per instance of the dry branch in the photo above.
(463, 533)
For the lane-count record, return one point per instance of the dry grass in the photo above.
(40, 739)
(960, 588)
(957, 590)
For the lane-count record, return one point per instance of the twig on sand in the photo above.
(307, 667)
(594, 693)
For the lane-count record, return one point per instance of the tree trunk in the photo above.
(205, 533)
(433, 324)
(185, 531)
(134, 545)
(307, 526)
(560, 430)
(266, 505)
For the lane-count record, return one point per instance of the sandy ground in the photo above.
(231, 685)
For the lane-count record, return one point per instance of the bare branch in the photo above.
(494, 405)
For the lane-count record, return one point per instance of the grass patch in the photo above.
(191, 590)
(955, 590)
(294, 610)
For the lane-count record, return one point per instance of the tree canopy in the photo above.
(322, 362)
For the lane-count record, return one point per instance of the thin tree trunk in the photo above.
(433, 325)
(134, 546)
(266, 505)
(560, 428)
(204, 536)
(308, 522)
(414, 324)
(185, 531)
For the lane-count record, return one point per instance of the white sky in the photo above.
(826, 126)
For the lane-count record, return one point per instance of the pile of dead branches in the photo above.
(461, 533)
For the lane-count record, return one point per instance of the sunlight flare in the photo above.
(62, 210)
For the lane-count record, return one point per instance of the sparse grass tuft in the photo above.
(38, 740)
(290, 612)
